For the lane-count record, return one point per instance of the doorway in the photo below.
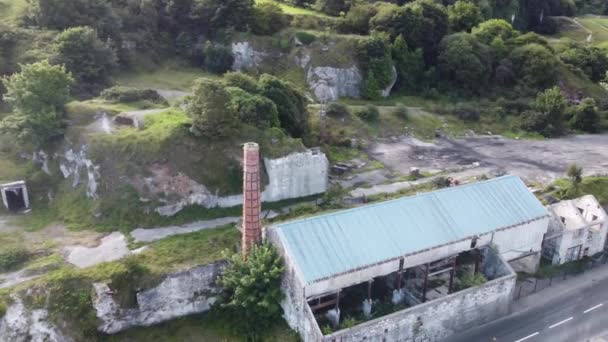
(15, 199)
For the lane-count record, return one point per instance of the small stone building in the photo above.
(401, 270)
(15, 196)
(577, 228)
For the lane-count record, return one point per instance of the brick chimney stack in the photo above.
(252, 227)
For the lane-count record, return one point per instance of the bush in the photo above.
(401, 112)
(464, 61)
(253, 288)
(585, 116)
(217, 58)
(463, 16)
(128, 94)
(268, 18)
(290, 103)
(337, 110)
(441, 182)
(467, 114)
(369, 114)
(357, 19)
(252, 109)
(243, 81)
(209, 108)
(471, 280)
(333, 7)
(590, 60)
(305, 37)
(12, 257)
(535, 65)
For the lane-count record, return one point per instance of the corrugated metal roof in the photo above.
(335, 243)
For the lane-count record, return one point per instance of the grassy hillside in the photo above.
(11, 11)
(580, 29)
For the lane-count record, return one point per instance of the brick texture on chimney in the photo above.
(252, 227)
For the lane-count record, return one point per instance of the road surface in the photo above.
(575, 316)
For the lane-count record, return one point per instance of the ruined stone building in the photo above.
(577, 228)
(414, 268)
(15, 196)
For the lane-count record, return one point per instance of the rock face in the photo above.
(296, 175)
(329, 84)
(386, 92)
(73, 163)
(190, 292)
(245, 57)
(22, 325)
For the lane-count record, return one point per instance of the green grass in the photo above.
(171, 75)
(292, 10)
(210, 327)
(597, 25)
(596, 186)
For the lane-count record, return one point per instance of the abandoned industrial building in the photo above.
(577, 229)
(414, 268)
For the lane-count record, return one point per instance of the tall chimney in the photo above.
(252, 227)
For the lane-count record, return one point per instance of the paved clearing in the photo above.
(153, 234)
(112, 247)
(533, 160)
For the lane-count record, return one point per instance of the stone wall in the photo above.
(22, 325)
(185, 293)
(296, 175)
(436, 320)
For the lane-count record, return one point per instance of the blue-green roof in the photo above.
(339, 242)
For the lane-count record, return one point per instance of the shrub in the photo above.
(12, 257)
(88, 58)
(337, 110)
(290, 103)
(441, 182)
(333, 7)
(401, 111)
(585, 116)
(463, 16)
(535, 65)
(305, 37)
(465, 61)
(253, 109)
(590, 60)
(369, 114)
(467, 114)
(243, 81)
(471, 280)
(357, 19)
(217, 58)
(253, 288)
(209, 108)
(268, 18)
(128, 94)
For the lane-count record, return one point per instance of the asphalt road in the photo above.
(579, 316)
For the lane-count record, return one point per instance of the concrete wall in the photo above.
(179, 294)
(296, 311)
(436, 320)
(525, 239)
(296, 175)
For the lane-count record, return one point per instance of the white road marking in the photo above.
(527, 337)
(593, 308)
(560, 323)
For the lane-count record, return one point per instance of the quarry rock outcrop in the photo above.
(180, 294)
(296, 175)
(73, 163)
(386, 92)
(22, 325)
(329, 83)
(245, 56)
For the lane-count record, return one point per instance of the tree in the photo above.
(534, 65)
(333, 7)
(357, 19)
(575, 174)
(399, 20)
(253, 109)
(585, 116)
(88, 58)
(212, 15)
(548, 113)
(243, 81)
(209, 108)
(38, 95)
(433, 28)
(268, 18)
(253, 288)
(590, 60)
(409, 65)
(490, 29)
(290, 103)
(463, 16)
(464, 61)
(374, 56)
(217, 58)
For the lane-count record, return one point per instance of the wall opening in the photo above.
(15, 196)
